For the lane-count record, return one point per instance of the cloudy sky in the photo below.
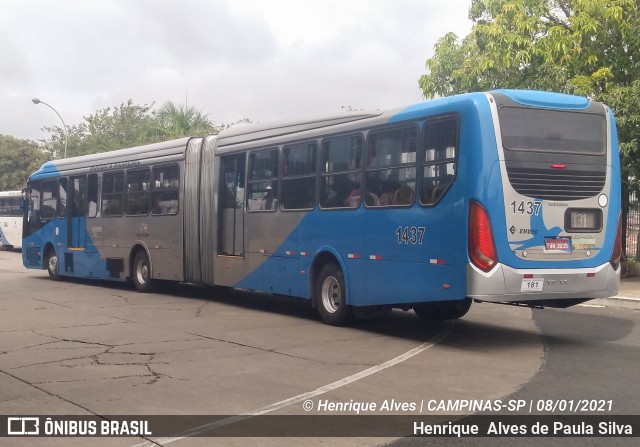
(260, 59)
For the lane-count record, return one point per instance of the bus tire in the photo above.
(141, 273)
(443, 310)
(331, 296)
(51, 262)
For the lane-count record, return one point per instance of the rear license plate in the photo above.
(557, 244)
(532, 285)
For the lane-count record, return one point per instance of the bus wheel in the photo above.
(443, 310)
(142, 272)
(331, 296)
(51, 259)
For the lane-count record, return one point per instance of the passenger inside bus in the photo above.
(269, 202)
(404, 195)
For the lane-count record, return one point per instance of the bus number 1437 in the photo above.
(529, 207)
(410, 235)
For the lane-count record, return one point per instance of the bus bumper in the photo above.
(542, 287)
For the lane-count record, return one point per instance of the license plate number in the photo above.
(559, 244)
(532, 285)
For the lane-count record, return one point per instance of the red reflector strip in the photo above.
(528, 276)
(375, 258)
(305, 253)
(290, 253)
(264, 252)
(353, 256)
(558, 166)
(436, 261)
(591, 275)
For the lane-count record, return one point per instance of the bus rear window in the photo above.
(545, 130)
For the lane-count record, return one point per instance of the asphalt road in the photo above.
(590, 353)
(101, 349)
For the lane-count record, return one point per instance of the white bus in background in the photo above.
(10, 219)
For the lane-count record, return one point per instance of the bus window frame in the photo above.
(398, 166)
(93, 213)
(63, 206)
(82, 192)
(109, 194)
(54, 212)
(272, 180)
(160, 190)
(313, 174)
(7, 209)
(423, 163)
(506, 140)
(146, 192)
(323, 173)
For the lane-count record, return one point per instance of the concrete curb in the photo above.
(616, 301)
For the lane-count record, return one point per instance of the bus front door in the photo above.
(231, 199)
(76, 216)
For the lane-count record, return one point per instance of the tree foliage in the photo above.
(129, 125)
(107, 129)
(18, 159)
(584, 47)
(179, 120)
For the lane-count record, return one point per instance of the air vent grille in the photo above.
(557, 184)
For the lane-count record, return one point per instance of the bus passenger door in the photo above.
(76, 220)
(231, 200)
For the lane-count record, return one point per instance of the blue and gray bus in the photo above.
(507, 197)
(10, 219)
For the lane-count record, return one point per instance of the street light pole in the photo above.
(66, 134)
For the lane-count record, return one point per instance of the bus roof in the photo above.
(255, 132)
(140, 153)
(546, 99)
(240, 136)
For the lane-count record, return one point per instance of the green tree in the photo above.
(585, 47)
(175, 121)
(107, 129)
(129, 125)
(18, 159)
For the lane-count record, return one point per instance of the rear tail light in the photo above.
(617, 247)
(482, 249)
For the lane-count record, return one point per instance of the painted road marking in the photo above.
(444, 333)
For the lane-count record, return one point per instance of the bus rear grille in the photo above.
(556, 184)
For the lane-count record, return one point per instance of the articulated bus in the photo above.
(10, 219)
(507, 197)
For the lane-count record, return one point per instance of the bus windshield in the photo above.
(545, 130)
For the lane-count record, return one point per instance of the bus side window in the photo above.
(112, 193)
(92, 195)
(34, 218)
(341, 172)
(299, 177)
(262, 185)
(440, 154)
(63, 184)
(79, 202)
(391, 167)
(165, 187)
(49, 199)
(137, 198)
